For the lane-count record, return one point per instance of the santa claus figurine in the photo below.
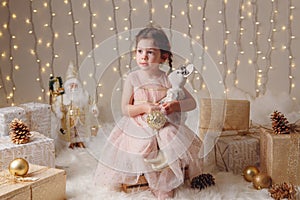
(73, 111)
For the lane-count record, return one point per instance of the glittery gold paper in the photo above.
(50, 184)
(224, 114)
(280, 156)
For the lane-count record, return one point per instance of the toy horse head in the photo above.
(178, 77)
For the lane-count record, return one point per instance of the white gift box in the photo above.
(7, 114)
(39, 150)
(38, 117)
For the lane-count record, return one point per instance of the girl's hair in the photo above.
(160, 40)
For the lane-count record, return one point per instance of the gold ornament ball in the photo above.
(156, 119)
(261, 181)
(18, 167)
(249, 172)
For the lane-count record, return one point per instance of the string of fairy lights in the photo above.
(289, 45)
(3, 86)
(35, 52)
(238, 43)
(189, 34)
(262, 62)
(2, 83)
(254, 43)
(129, 19)
(150, 10)
(116, 31)
(73, 33)
(225, 43)
(170, 5)
(91, 20)
(271, 34)
(203, 43)
(10, 76)
(51, 44)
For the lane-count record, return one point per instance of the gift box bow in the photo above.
(295, 127)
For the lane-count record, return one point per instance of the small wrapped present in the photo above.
(280, 156)
(7, 114)
(40, 183)
(234, 152)
(38, 117)
(224, 114)
(39, 150)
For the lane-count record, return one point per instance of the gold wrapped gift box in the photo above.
(223, 114)
(50, 184)
(280, 156)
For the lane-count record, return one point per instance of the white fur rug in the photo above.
(81, 163)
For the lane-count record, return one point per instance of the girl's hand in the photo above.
(149, 107)
(170, 107)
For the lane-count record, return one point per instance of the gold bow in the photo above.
(295, 127)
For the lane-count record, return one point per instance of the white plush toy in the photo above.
(177, 79)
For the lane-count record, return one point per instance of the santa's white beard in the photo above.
(78, 98)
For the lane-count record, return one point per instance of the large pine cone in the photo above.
(280, 124)
(203, 181)
(19, 132)
(283, 191)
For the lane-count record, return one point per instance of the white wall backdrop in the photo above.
(253, 43)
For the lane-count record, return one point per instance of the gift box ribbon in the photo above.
(294, 151)
(11, 179)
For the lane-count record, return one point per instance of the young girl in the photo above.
(132, 142)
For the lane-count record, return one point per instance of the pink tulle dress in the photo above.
(132, 140)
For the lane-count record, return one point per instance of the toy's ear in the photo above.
(189, 70)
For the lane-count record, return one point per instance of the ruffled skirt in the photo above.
(132, 140)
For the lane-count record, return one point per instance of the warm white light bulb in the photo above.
(293, 85)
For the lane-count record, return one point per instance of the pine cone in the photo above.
(203, 181)
(283, 191)
(19, 132)
(280, 124)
